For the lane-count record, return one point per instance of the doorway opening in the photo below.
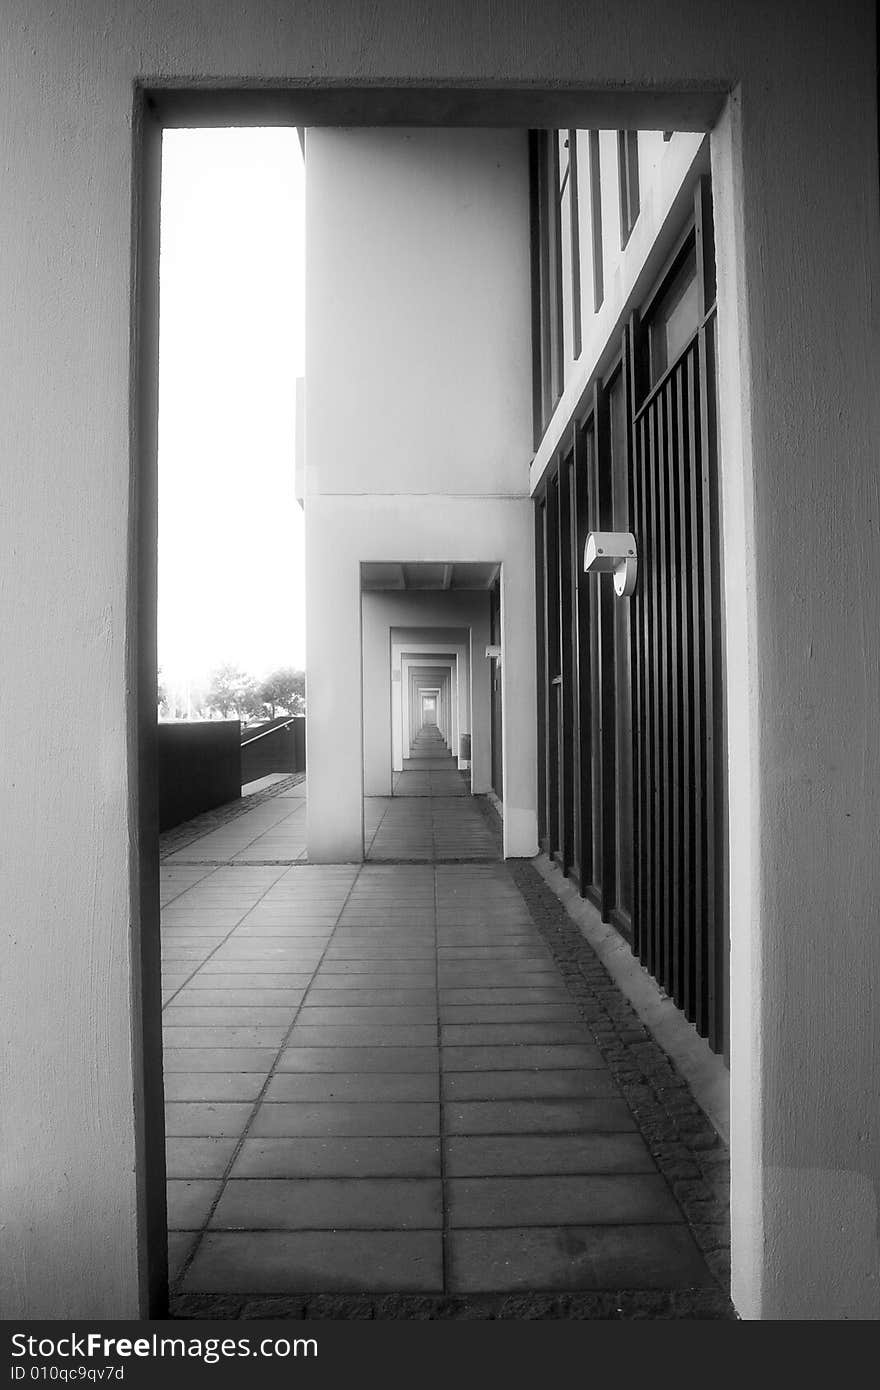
(231, 623)
(426, 707)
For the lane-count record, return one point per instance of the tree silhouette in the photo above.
(232, 691)
(284, 689)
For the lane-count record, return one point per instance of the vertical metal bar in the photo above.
(566, 748)
(699, 704)
(690, 791)
(637, 382)
(574, 664)
(602, 435)
(553, 673)
(718, 964)
(580, 474)
(664, 683)
(655, 965)
(596, 673)
(646, 723)
(675, 668)
(716, 955)
(540, 606)
(557, 327)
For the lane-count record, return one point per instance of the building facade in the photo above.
(631, 700)
(538, 312)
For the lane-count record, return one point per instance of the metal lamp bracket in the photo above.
(613, 552)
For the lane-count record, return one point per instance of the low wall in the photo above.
(199, 768)
(281, 748)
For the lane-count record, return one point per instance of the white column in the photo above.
(481, 742)
(334, 710)
(463, 693)
(376, 697)
(519, 733)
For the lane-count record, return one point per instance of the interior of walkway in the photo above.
(378, 1080)
(431, 813)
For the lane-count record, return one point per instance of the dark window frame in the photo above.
(628, 180)
(595, 169)
(574, 231)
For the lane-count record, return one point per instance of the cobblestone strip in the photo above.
(623, 1305)
(685, 1146)
(179, 836)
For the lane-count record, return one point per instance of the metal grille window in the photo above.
(570, 248)
(675, 317)
(556, 275)
(548, 346)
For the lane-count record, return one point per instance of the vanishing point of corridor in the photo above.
(387, 1088)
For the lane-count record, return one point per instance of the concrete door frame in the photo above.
(397, 621)
(772, 1191)
(147, 183)
(465, 717)
(449, 705)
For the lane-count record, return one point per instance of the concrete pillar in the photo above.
(334, 705)
(463, 699)
(396, 716)
(518, 695)
(481, 738)
(379, 692)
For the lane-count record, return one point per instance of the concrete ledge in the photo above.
(705, 1072)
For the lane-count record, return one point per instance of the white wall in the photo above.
(418, 406)
(418, 364)
(800, 421)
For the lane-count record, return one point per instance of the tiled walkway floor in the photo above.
(377, 1081)
(274, 831)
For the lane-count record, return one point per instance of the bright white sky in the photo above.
(231, 578)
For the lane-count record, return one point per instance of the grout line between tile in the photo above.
(210, 954)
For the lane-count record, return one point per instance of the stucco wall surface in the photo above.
(417, 300)
(798, 317)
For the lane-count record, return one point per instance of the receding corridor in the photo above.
(379, 1082)
(430, 814)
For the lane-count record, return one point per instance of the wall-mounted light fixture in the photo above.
(613, 552)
